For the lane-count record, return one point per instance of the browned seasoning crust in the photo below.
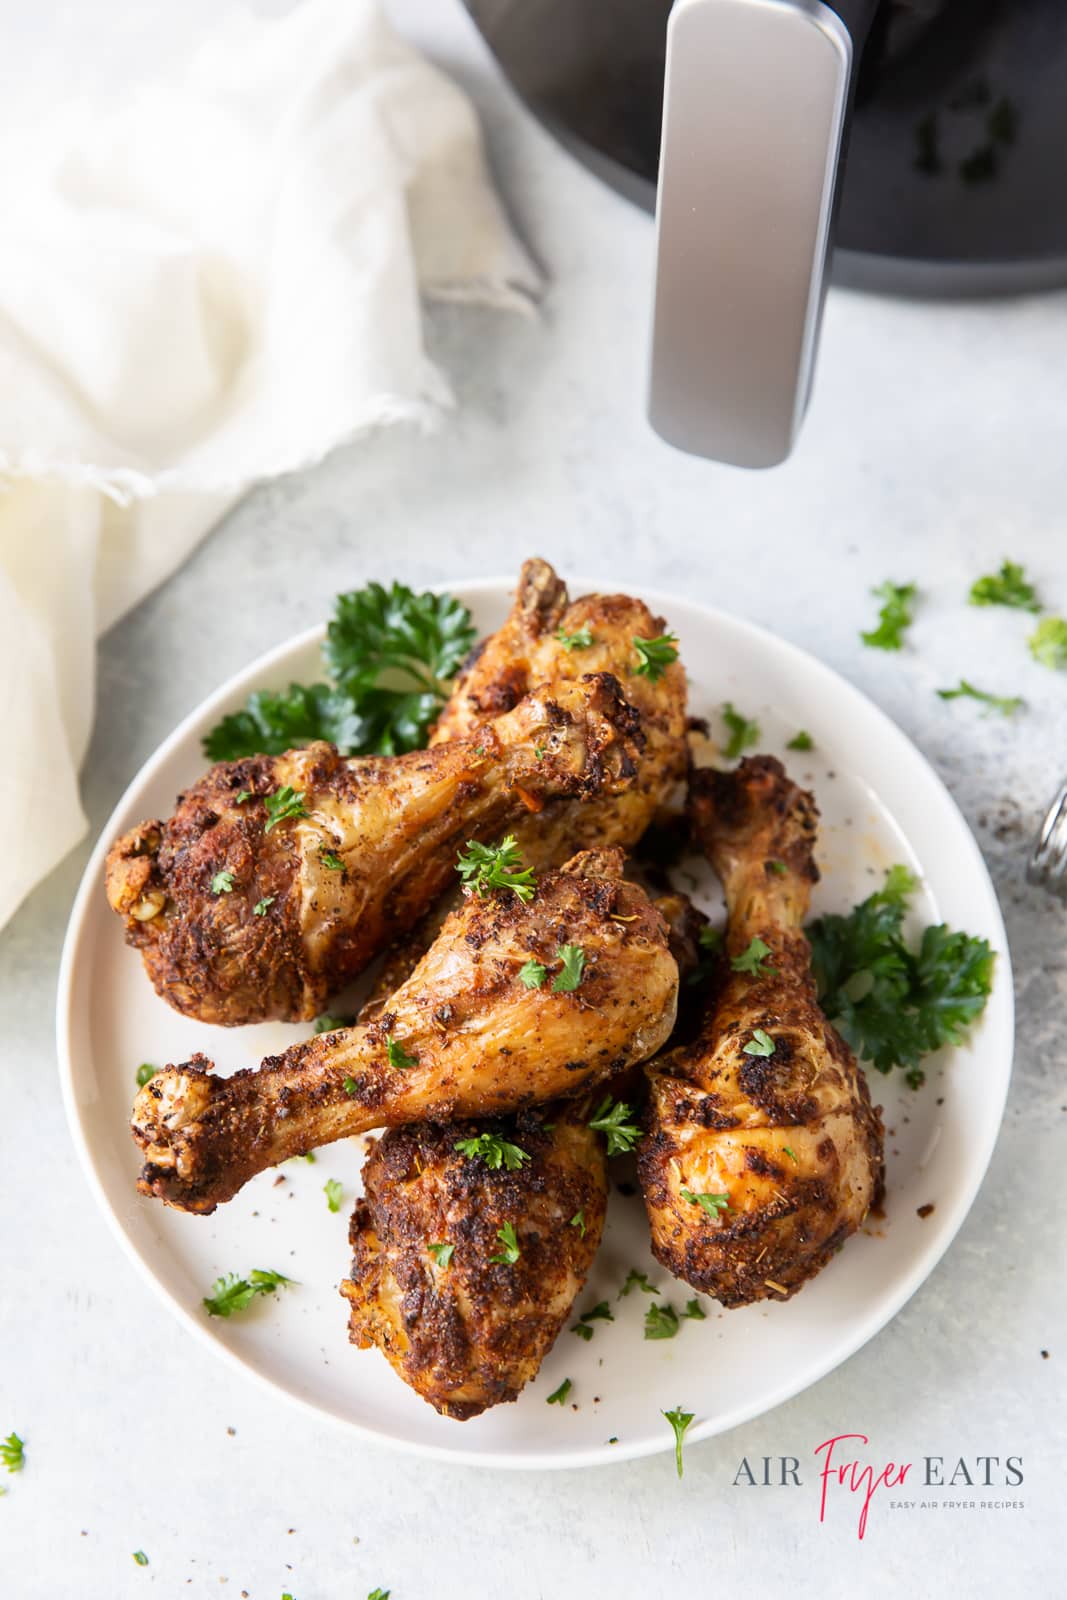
(315, 898)
(790, 1139)
(483, 1043)
(471, 1333)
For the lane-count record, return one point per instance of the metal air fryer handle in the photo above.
(755, 104)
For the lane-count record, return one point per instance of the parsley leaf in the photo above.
(325, 1023)
(1007, 705)
(284, 803)
(331, 860)
(1048, 643)
(140, 1558)
(655, 656)
(679, 1421)
(13, 1452)
(791, 1154)
(609, 1118)
(1008, 587)
(580, 639)
(894, 1003)
(578, 1221)
(350, 1087)
(894, 616)
(533, 974)
(637, 1280)
(661, 1322)
(274, 722)
(743, 734)
(231, 1293)
(222, 883)
(598, 1313)
(398, 1056)
(711, 1203)
(333, 1190)
(583, 1331)
(801, 740)
(558, 1396)
(375, 1594)
(144, 1072)
(752, 959)
(760, 1044)
(710, 938)
(261, 907)
(442, 1253)
(570, 976)
(495, 1151)
(496, 866)
(509, 1252)
(695, 1311)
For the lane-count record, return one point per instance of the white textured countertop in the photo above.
(934, 448)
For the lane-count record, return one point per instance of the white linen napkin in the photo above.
(213, 283)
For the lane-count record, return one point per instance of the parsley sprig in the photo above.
(494, 1150)
(1008, 587)
(753, 959)
(510, 1249)
(679, 1421)
(572, 969)
(283, 804)
(1005, 704)
(655, 656)
(894, 616)
(609, 1118)
(711, 1203)
(743, 732)
(231, 1293)
(580, 639)
(486, 867)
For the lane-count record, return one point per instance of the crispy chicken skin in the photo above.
(790, 1139)
(470, 1333)
(527, 652)
(314, 899)
(473, 1039)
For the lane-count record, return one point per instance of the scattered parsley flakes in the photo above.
(375, 1594)
(801, 740)
(509, 1252)
(578, 1221)
(261, 907)
(894, 616)
(679, 1421)
(242, 796)
(570, 975)
(494, 1150)
(791, 1154)
(743, 733)
(581, 639)
(442, 1253)
(284, 803)
(333, 1192)
(558, 1396)
(1048, 643)
(331, 860)
(145, 1072)
(231, 1293)
(13, 1452)
(496, 866)
(610, 1120)
(398, 1056)
(695, 1311)
(222, 883)
(752, 958)
(711, 1203)
(350, 1087)
(1007, 705)
(637, 1280)
(661, 1322)
(655, 656)
(583, 1330)
(533, 974)
(1008, 587)
(598, 1313)
(779, 868)
(330, 1024)
(140, 1558)
(760, 1044)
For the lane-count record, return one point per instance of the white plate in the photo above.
(880, 803)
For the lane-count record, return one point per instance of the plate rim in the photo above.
(950, 1219)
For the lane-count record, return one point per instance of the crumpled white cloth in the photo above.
(216, 282)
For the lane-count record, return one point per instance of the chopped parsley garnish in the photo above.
(695, 1311)
(509, 1251)
(330, 859)
(570, 975)
(442, 1253)
(558, 1396)
(894, 616)
(284, 803)
(333, 1192)
(655, 656)
(391, 654)
(350, 1087)
(326, 1023)
(398, 1056)
(261, 907)
(1007, 705)
(144, 1072)
(609, 1118)
(743, 733)
(893, 1003)
(578, 1221)
(580, 639)
(637, 1280)
(791, 1154)
(140, 1558)
(1008, 587)
(710, 938)
(711, 1203)
(801, 740)
(13, 1452)
(598, 1313)
(231, 1293)
(375, 1594)
(779, 868)
(1048, 643)
(679, 1421)
(752, 958)
(533, 974)
(496, 866)
(242, 796)
(222, 883)
(760, 1044)
(494, 1150)
(661, 1322)
(583, 1330)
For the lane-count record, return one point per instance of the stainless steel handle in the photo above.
(754, 108)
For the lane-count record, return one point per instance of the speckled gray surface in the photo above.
(934, 448)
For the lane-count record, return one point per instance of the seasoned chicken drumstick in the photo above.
(464, 1309)
(465, 1036)
(763, 1151)
(279, 878)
